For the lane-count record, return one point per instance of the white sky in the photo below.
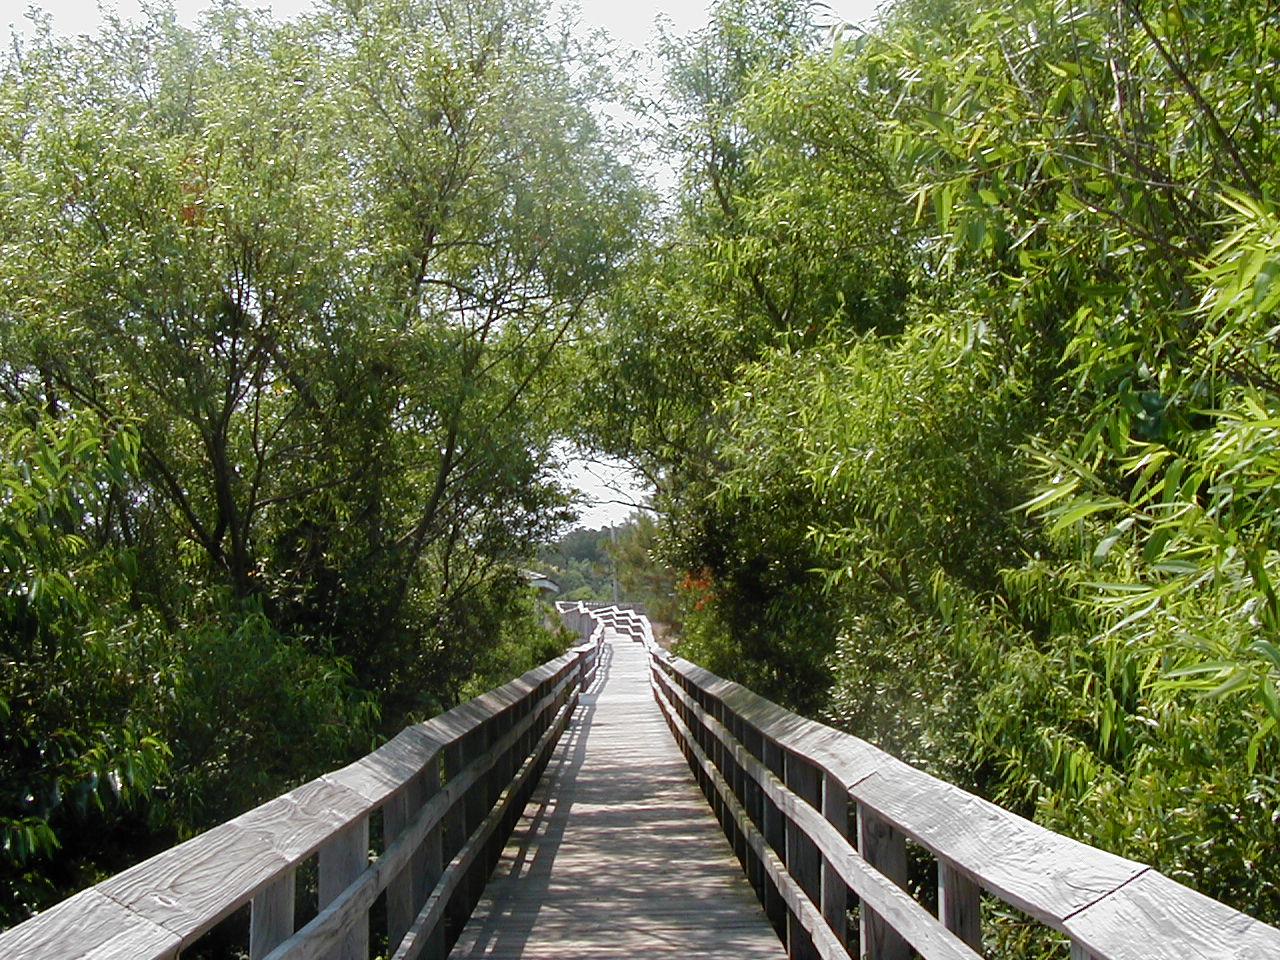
(614, 491)
(611, 488)
(629, 21)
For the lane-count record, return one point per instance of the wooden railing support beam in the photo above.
(402, 890)
(341, 861)
(455, 826)
(271, 915)
(164, 905)
(803, 861)
(409, 890)
(885, 849)
(774, 830)
(960, 904)
(432, 866)
(835, 895)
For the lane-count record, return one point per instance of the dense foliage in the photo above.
(955, 366)
(282, 310)
(952, 362)
(580, 565)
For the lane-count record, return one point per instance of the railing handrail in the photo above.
(804, 779)
(783, 786)
(491, 749)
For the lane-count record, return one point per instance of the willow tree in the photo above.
(1035, 509)
(772, 246)
(320, 273)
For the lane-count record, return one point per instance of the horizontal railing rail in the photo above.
(820, 821)
(585, 619)
(443, 794)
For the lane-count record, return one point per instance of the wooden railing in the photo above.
(586, 618)
(821, 822)
(442, 797)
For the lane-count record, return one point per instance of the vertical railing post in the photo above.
(803, 861)
(477, 805)
(408, 891)
(271, 915)
(499, 777)
(539, 725)
(706, 740)
(960, 904)
(455, 829)
(737, 783)
(884, 848)
(719, 808)
(401, 908)
(835, 895)
(343, 858)
(753, 801)
(427, 875)
(775, 834)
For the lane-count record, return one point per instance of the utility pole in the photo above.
(613, 560)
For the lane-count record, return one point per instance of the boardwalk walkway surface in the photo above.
(618, 854)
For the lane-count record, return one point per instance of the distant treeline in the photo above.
(584, 564)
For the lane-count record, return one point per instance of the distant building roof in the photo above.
(540, 581)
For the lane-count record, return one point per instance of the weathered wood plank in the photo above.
(1173, 923)
(1045, 874)
(383, 773)
(885, 849)
(1112, 908)
(458, 871)
(348, 906)
(427, 866)
(752, 801)
(877, 891)
(191, 887)
(773, 825)
(402, 905)
(804, 862)
(342, 859)
(1042, 873)
(88, 926)
(960, 904)
(187, 889)
(835, 894)
(271, 915)
(798, 905)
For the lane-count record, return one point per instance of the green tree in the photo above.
(642, 576)
(729, 280)
(322, 277)
(579, 563)
(1003, 479)
(77, 735)
(327, 267)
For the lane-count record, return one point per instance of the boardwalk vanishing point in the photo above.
(618, 854)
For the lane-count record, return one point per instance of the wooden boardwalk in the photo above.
(618, 854)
